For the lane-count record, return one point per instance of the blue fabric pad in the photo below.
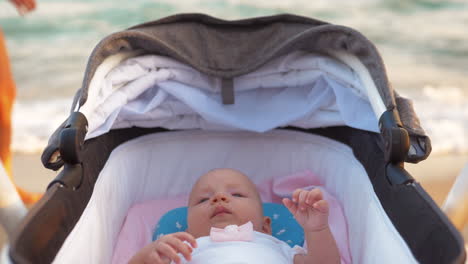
(283, 224)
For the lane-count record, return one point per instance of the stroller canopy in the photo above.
(225, 56)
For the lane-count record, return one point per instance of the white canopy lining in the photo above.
(300, 89)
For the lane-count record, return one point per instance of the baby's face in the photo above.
(224, 197)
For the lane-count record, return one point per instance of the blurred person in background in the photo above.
(7, 97)
(24, 6)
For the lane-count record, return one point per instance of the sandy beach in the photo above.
(436, 175)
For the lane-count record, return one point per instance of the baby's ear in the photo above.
(266, 227)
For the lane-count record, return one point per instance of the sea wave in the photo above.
(35, 121)
(443, 113)
(54, 42)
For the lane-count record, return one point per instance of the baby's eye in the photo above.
(202, 200)
(237, 195)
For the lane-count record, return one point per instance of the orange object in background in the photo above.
(7, 97)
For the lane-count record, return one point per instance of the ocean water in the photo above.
(424, 44)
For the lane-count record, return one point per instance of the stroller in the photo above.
(165, 101)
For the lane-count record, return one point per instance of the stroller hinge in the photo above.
(70, 177)
(396, 138)
(72, 138)
(396, 147)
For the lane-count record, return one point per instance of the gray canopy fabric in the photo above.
(228, 49)
(231, 48)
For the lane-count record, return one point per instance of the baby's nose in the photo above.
(219, 197)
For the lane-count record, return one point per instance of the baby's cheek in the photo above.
(192, 218)
(255, 215)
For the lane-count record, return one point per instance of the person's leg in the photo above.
(7, 97)
(12, 209)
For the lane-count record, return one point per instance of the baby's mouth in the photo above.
(220, 210)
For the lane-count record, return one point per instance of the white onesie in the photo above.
(262, 249)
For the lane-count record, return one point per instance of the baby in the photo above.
(224, 197)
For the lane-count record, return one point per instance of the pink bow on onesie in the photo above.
(232, 233)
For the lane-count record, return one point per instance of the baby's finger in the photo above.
(314, 195)
(302, 200)
(290, 205)
(321, 206)
(167, 250)
(180, 247)
(154, 258)
(184, 236)
(295, 195)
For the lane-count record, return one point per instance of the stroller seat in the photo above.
(165, 165)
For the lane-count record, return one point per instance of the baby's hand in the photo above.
(309, 209)
(165, 249)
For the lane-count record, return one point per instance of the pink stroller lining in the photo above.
(141, 219)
